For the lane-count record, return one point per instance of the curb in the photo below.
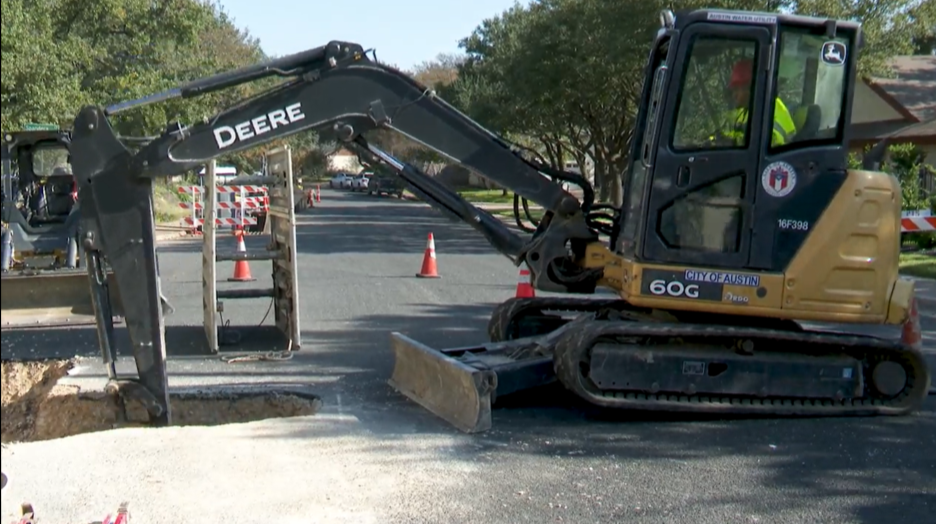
(922, 279)
(480, 205)
(170, 233)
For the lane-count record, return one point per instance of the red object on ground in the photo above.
(524, 286)
(912, 333)
(241, 267)
(122, 516)
(429, 268)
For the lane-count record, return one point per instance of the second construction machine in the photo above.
(741, 222)
(43, 284)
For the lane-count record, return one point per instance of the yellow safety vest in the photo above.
(783, 126)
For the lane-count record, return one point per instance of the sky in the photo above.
(403, 32)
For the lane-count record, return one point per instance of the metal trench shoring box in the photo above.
(280, 251)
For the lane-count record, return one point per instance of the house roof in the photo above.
(913, 86)
(927, 130)
(911, 91)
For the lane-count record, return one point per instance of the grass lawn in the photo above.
(308, 180)
(918, 265)
(166, 201)
(486, 196)
(535, 212)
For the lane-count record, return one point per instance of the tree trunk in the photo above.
(617, 189)
(582, 160)
(553, 149)
(609, 170)
(603, 179)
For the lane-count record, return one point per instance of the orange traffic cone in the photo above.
(912, 333)
(524, 287)
(429, 269)
(241, 267)
(318, 192)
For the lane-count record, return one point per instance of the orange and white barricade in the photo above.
(236, 207)
(917, 221)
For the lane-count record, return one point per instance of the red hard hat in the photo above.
(741, 74)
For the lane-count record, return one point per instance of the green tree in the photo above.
(925, 41)
(59, 55)
(38, 81)
(67, 53)
(438, 72)
(568, 73)
(891, 27)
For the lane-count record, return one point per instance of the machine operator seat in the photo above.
(53, 203)
(808, 117)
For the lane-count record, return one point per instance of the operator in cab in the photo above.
(740, 87)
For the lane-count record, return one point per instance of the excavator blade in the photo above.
(455, 392)
(50, 298)
(460, 385)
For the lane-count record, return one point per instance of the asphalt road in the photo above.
(372, 456)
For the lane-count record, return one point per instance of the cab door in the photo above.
(705, 169)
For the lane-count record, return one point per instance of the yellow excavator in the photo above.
(741, 224)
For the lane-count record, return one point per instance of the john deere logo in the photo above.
(833, 53)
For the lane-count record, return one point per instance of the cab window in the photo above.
(716, 95)
(48, 160)
(811, 77)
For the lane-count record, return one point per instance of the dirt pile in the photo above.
(24, 387)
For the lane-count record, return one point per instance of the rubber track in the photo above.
(572, 348)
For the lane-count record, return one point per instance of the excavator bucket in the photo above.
(460, 385)
(54, 298)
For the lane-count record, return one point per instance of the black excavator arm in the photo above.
(336, 88)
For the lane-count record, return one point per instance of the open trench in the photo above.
(35, 406)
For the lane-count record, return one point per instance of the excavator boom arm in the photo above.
(334, 88)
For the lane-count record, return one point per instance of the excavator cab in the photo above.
(39, 197)
(739, 199)
(43, 283)
(37, 177)
(741, 142)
